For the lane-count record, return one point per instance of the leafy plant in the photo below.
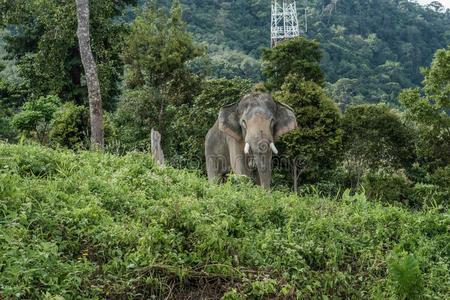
(70, 126)
(405, 272)
(35, 118)
(92, 225)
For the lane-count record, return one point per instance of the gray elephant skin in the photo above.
(242, 139)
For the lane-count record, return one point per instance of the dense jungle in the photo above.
(95, 205)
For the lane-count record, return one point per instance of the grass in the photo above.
(91, 225)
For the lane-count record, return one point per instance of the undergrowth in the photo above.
(91, 225)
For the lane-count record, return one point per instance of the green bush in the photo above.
(98, 226)
(12, 96)
(70, 126)
(441, 180)
(35, 117)
(375, 136)
(430, 195)
(393, 186)
(388, 186)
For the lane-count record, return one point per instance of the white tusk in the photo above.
(274, 149)
(247, 148)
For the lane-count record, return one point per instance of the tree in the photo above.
(299, 57)
(314, 148)
(375, 137)
(70, 127)
(35, 117)
(40, 37)
(293, 69)
(157, 55)
(429, 110)
(344, 93)
(90, 68)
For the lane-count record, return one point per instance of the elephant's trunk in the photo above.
(264, 166)
(262, 150)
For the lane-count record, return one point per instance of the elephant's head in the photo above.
(257, 121)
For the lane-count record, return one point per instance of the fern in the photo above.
(405, 272)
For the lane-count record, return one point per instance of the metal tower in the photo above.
(284, 21)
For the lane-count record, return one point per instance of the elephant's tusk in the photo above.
(247, 148)
(274, 149)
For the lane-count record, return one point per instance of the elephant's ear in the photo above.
(285, 120)
(229, 121)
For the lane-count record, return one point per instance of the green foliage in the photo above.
(35, 117)
(395, 187)
(70, 126)
(375, 137)
(228, 63)
(92, 225)
(157, 56)
(387, 186)
(379, 46)
(158, 48)
(7, 132)
(136, 115)
(437, 79)
(41, 35)
(405, 272)
(344, 93)
(192, 122)
(298, 57)
(440, 186)
(12, 96)
(316, 145)
(430, 113)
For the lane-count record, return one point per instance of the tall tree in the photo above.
(299, 56)
(429, 109)
(90, 68)
(158, 77)
(293, 70)
(40, 39)
(314, 149)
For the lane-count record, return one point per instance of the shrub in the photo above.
(6, 129)
(70, 126)
(441, 179)
(97, 226)
(387, 186)
(35, 117)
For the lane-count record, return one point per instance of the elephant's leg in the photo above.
(216, 167)
(238, 160)
(217, 156)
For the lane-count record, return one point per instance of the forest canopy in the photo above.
(371, 49)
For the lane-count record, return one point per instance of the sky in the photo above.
(446, 3)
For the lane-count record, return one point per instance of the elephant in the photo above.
(242, 139)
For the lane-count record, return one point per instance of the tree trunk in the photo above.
(157, 152)
(90, 70)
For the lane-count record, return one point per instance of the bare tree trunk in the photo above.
(90, 70)
(157, 152)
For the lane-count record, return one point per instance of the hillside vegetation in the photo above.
(372, 49)
(91, 225)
